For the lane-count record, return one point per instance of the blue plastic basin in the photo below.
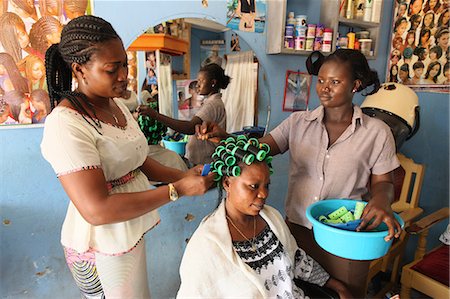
(177, 146)
(364, 245)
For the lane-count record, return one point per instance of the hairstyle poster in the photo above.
(296, 91)
(132, 71)
(28, 29)
(212, 51)
(246, 15)
(189, 101)
(419, 52)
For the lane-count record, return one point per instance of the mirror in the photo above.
(168, 56)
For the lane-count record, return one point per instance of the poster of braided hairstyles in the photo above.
(28, 28)
(419, 50)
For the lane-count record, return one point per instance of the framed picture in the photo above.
(296, 91)
(27, 32)
(419, 50)
(246, 15)
(212, 51)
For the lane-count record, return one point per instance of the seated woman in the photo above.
(244, 249)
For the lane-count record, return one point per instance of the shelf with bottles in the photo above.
(277, 13)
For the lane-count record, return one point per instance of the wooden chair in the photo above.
(407, 206)
(437, 260)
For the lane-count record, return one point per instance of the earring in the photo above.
(354, 90)
(213, 85)
(84, 81)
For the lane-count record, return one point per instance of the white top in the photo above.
(212, 268)
(70, 144)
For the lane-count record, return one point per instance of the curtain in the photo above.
(164, 74)
(239, 96)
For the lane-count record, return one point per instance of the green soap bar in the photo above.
(359, 208)
(347, 217)
(338, 213)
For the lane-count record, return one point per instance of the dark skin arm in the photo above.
(213, 132)
(182, 126)
(88, 192)
(379, 208)
(339, 288)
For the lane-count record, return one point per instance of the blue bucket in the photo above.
(177, 146)
(364, 245)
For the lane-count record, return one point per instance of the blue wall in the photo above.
(33, 204)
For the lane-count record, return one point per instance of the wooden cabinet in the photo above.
(329, 17)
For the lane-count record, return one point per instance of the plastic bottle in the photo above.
(349, 10)
(368, 10)
(342, 8)
(376, 10)
(351, 39)
(359, 9)
(327, 39)
(291, 18)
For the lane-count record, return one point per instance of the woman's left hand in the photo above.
(147, 111)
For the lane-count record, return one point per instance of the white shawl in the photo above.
(212, 269)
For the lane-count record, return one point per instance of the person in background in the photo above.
(14, 37)
(402, 8)
(418, 71)
(33, 68)
(432, 5)
(10, 77)
(244, 249)
(40, 106)
(211, 79)
(393, 73)
(336, 151)
(432, 73)
(415, 7)
(444, 18)
(403, 74)
(99, 155)
(45, 32)
(446, 72)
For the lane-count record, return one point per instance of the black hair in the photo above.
(234, 153)
(79, 41)
(437, 50)
(193, 85)
(426, 8)
(405, 68)
(441, 17)
(446, 66)
(216, 72)
(430, 66)
(359, 67)
(398, 22)
(440, 32)
(412, 19)
(420, 51)
(418, 65)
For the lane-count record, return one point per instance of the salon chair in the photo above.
(428, 273)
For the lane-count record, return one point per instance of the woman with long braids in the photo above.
(244, 248)
(210, 80)
(336, 151)
(99, 155)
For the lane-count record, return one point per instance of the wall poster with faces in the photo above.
(28, 28)
(419, 51)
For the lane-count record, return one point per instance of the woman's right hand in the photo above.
(193, 183)
(210, 131)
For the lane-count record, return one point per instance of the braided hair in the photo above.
(234, 153)
(354, 59)
(79, 41)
